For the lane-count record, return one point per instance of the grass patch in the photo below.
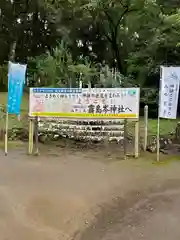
(24, 102)
(12, 144)
(167, 126)
(13, 121)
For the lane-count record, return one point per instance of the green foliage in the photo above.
(107, 42)
(56, 68)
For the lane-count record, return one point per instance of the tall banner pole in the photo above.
(158, 121)
(158, 137)
(16, 79)
(6, 135)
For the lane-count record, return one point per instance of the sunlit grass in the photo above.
(166, 126)
(13, 121)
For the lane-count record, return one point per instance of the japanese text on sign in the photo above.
(84, 103)
(169, 92)
(16, 79)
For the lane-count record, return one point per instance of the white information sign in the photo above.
(85, 103)
(169, 92)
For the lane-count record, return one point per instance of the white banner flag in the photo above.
(169, 92)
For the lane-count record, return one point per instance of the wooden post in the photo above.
(145, 127)
(36, 136)
(29, 138)
(125, 138)
(136, 146)
(31, 133)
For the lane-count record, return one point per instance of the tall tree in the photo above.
(26, 23)
(111, 19)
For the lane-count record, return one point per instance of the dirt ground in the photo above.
(87, 195)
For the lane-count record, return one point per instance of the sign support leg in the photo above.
(36, 136)
(30, 145)
(136, 147)
(125, 139)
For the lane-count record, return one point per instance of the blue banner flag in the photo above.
(16, 79)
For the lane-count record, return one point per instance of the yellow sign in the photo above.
(82, 115)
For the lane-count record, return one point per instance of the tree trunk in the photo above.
(12, 51)
(120, 62)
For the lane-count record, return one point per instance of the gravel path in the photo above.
(69, 195)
